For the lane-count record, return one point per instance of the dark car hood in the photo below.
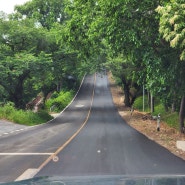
(103, 180)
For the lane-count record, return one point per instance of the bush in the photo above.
(9, 112)
(43, 115)
(57, 104)
(138, 103)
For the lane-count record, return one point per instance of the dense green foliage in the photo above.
(33, 58)
(172, 24)
(59, 101)
(130, 34)
(141, 42)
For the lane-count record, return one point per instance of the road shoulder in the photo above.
(167, 137)
(7, 127)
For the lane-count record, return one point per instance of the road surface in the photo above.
(25, 150)
(108, 146)
(105, 144)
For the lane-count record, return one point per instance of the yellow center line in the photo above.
(72, 137)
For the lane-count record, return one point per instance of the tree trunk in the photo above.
(126, 91)
(17, 94)
(127, 95)
(173, 107)
(182, 114)
(148, 99)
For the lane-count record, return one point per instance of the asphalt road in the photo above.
(108, 146)
(105, 145)
(29, 148)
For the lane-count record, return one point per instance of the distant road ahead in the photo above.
(108, 146)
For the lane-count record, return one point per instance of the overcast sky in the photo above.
(7, 6)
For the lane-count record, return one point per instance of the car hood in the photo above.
(104, 180)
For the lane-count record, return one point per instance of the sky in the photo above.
(7, 6)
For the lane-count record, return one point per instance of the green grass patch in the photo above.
(57, 103)
(23, 117)
(172, 119)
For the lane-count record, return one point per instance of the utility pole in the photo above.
(143, 97)
(151, 102)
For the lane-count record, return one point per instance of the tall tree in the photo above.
(46, 12)
(22, 58)
(172, 25)
(172, 28)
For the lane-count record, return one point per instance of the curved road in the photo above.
(105, 145)
(23, 152)
(108, 146)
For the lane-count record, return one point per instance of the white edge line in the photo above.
(24, 154)
(72, 99)
(29, 127)
(11, 132)
(30, 173)
(65, 107)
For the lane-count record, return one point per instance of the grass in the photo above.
(23, 117)
(27, 117)
(171, 118)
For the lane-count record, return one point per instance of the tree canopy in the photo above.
(141, 42)
(172, 24)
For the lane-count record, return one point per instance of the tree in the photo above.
(22, 58)
(122, 69)
(51, 15)
(172, 28)
(172, 25)
(82, 36)
(46, 12)
(33, 56)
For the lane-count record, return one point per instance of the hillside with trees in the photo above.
(142, 43)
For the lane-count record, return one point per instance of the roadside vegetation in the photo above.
(59, 101)
(56, 103)
(171, 118)
(46, 45)
(9, 112)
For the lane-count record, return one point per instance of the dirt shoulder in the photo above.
(166, 137)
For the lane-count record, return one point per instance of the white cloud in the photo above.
(7, 6)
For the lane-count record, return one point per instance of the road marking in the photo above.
(70, 102)
(14, 131)
(79, 105)
(73, 136)
(29, 173)
(29, 127)
(26, 174)
(24, 154)
(55, 158)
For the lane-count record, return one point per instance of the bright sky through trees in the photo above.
(7, 6)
